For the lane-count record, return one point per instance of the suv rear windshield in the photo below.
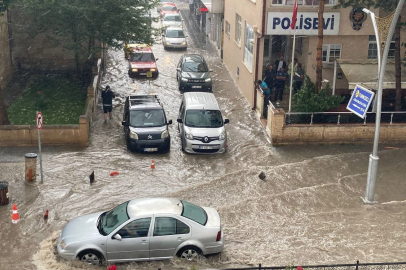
(142, 57)
(147, 118)
(194, 212)
(204, 118)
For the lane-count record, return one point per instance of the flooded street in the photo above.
(308, 210)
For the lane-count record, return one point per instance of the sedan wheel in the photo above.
(91, 257)
(189, 254)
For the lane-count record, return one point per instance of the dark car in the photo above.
(145, 124)
(192, 73)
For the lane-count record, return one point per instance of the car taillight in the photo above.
(218, 236)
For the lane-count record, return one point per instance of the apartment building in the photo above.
(257, 32)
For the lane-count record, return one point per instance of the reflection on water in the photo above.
(307, 210)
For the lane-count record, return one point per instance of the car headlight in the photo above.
(62, 244)
(165, 134)
(184, 80)
(168, 43)
(134, 69)
(152, 69)
(184, 43)
(222, 136)
(208, 80)
(188, 136)
(133, 135)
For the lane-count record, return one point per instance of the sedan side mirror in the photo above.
(226, 121)
(156, 59)
(117, 237)
(170, 122)
(179, 120)
(124, 123)
(178, 69)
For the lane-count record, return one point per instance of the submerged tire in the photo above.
(92, 257)
(189, 253)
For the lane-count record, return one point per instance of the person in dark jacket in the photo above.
(270, 76)
(107, 96)
(280, 64)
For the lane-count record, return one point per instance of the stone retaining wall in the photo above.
(280, 133)
(27, 135)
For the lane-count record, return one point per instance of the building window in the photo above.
(373, 48)
(299, 45)
(227, 28)
(302, 2)
(238, 28)
(331, 52)
(248, 45)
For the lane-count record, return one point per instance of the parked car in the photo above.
(201, 125)
(142, 230)
(142, 60)
(162, 2)
(172, 20)
(169, 8)
(145, 124)
(174, 37)
(192, 73)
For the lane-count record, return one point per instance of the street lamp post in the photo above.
(373, 158)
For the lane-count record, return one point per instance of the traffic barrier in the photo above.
(15, 217)
(152, 164)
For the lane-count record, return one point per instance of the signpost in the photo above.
(39, 127)
(360, 101)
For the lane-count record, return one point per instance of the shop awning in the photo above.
(207, 3)
(365, 72)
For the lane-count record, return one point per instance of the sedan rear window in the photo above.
(194, 212)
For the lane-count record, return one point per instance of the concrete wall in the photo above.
(5, 64)
(233, 52)
(26, 135)
(280, 133)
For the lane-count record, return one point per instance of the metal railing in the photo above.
(355, 266)
(343, 117)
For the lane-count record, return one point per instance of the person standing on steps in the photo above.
(198, 15)
(281, 76)
(107, 96)
(270, 75)
(266, 94)
(280, 63)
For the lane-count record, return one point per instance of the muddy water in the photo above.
(307, 211)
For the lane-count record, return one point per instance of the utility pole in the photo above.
(373, 158)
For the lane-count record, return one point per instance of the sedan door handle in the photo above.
(180, 238)
(144, 241)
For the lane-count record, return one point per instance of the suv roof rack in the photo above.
(142, 99)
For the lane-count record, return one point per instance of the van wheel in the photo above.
(189, 253)
(92, 257)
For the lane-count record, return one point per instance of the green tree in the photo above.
(81, 25)
(387, 5)
(307, 100)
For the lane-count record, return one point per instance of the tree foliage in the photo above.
(306, 100)
(76, 24)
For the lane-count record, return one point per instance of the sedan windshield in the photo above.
(142, 57)
(114, 218)
(175, 34)
(204, 118)
(169, 8)
(172, 19)
(194, 212)
(147, 118)
(195, 67)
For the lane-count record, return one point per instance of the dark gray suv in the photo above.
(145, 124)
(192, 73)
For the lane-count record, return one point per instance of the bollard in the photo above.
(30, 167)
(4, 197)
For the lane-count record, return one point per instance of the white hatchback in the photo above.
(172, 20)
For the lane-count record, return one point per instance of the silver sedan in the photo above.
(142, 230)
(174, 37)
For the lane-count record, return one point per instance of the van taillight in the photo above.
(218, 236)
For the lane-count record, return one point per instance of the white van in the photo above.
(201, 124)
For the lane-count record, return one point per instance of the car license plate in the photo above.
(196, 86)
(203, 147)
(150, 149)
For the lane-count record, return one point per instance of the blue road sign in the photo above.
(360, 100)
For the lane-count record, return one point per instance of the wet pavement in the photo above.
(308, 210)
